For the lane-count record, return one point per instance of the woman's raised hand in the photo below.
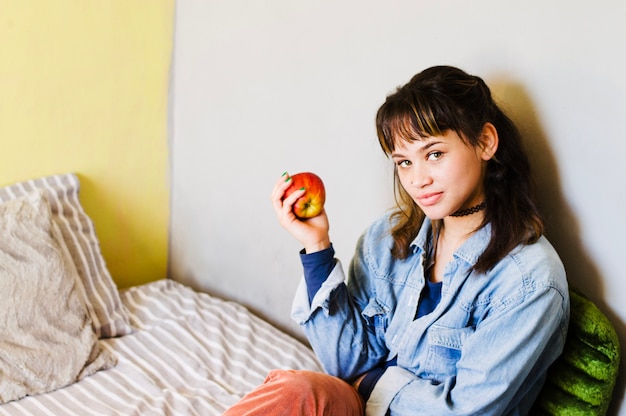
(312, 233)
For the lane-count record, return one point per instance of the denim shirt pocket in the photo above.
(376, 316)
(444, 351)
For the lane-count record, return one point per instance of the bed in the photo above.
(71, 343)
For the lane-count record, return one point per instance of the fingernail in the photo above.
(284, 173)
(288, 179)
(303, 188)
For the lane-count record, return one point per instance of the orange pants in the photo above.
(299, 393)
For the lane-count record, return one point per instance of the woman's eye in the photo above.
(403, 163)
(435, 155)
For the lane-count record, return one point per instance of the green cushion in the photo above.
(582, 379)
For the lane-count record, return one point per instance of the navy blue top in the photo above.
(317, 268)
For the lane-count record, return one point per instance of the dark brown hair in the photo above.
(445, 98)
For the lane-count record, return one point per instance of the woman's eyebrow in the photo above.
(424, 148)
(428, 145)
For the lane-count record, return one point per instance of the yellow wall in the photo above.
(84, 89)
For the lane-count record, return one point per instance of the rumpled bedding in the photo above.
(189, 354)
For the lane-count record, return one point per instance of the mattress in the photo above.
(189, 353)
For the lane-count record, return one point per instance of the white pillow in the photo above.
(46, 337)
(108, 315)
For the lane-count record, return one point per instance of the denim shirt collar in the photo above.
(469, 251)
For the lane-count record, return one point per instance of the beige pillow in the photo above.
(46, 337)
(108, 315)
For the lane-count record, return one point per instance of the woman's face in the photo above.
(441, 173)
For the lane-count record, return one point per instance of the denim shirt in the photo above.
(484, 350)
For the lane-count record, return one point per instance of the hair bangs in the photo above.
(404, 120)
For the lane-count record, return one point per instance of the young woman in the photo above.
(454, 303)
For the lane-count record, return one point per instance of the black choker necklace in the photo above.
(469, 211)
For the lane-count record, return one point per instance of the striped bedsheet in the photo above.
(189, 354)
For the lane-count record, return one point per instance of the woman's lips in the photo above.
(427, 200)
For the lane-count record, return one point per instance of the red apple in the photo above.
(311, 203)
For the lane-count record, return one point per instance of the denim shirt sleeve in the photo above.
(335, 314)
(303, 307)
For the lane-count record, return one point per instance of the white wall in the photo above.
(261, 87)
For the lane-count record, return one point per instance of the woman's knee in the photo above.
(317, 392)
(300, 392)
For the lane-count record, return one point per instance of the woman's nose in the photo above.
(419, 176)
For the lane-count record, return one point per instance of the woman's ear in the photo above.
(488, 141)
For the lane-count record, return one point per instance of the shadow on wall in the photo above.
(562, 226)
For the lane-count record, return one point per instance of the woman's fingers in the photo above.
(284, 205)
(279, 189)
